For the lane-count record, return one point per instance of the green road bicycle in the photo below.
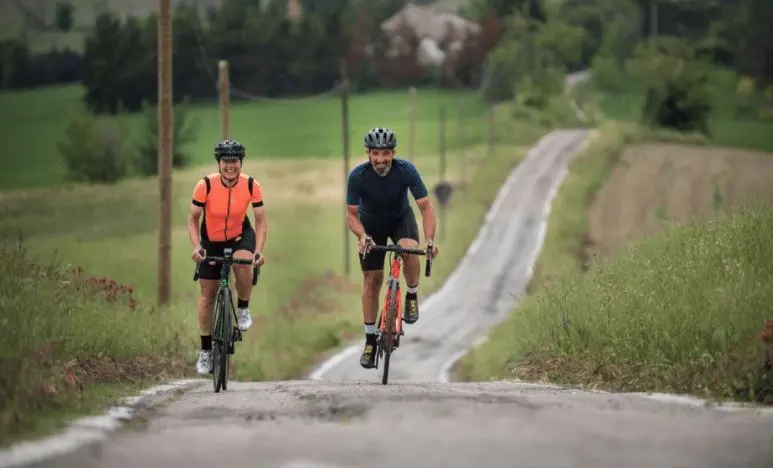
(391, 317)
(224, 333)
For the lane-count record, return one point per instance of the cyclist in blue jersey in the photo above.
(377, 208)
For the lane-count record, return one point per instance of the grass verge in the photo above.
(678, 312)
(73, 344)
(681, 312)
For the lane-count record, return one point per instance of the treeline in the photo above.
(269, 54)
(667, 53)
(273, 55)
(19, 68)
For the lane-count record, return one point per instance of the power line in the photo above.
(198, 31)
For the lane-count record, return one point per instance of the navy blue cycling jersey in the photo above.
(384, 199)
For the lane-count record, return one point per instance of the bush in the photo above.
(184, 131)
(676, 84)
(94, 149)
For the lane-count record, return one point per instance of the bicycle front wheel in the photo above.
(389, 334)
(226, 336)
(217, 345)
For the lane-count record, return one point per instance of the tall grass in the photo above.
(66, 332)
(680, 312)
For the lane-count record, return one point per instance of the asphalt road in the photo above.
(306, 424)
(348, 419)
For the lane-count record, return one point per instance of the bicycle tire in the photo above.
(217, 349)
(389, 335)
(227, 335)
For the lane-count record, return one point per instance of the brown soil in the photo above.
(654, 184)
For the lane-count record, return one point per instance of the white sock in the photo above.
(370, 329)
(412, 290)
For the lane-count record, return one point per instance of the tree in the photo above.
(530, 59)
(116, 69)
(183, 133)
(676, 84)
(65, 12)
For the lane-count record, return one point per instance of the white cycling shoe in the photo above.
(204, 365)
(243, 319)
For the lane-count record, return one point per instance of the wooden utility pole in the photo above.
(412, 125)
(345, 147)
(462, 154)
(224, 84)
(490, 129)
(165, 150)
(442, 143)
(442, 178)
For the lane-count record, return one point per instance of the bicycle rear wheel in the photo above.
(389, 335)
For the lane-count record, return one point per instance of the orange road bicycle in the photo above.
(391, 317)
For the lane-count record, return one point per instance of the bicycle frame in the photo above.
(395, 268)
(223, 340)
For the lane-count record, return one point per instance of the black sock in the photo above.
(206, 343)
(242, 304)
(370, 338)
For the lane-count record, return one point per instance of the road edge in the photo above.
(87, 433)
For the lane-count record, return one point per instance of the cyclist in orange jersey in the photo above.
(223, 198)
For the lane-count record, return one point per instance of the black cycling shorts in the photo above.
(404, 227)
(211, 270)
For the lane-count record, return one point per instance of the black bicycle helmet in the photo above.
(229, 150)
(380, 138)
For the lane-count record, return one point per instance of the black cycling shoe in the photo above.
(368, 357)
(411, 308)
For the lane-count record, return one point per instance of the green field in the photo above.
(34, 121)
(727, 129)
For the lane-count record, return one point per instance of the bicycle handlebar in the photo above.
(402, 250)
(232, 261)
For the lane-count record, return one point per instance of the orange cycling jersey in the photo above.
(225, 208)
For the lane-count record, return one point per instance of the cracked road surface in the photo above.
(341, 420)
(432, 425)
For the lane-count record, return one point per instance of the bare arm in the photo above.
(428, 219)
(194, 217)
(353, 221)
(261, 228)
